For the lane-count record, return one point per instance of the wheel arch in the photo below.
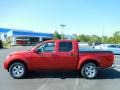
(89, 61)
(17, 60)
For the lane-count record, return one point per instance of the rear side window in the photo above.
(65, 46)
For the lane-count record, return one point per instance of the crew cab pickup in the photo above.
(59, 55)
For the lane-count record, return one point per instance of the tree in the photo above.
(56, 35)
(95, 38)
(83, 38)
(116, 37)
(110, 40)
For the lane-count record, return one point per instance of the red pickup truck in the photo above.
(58, 55)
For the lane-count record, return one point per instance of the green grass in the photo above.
(6, 45)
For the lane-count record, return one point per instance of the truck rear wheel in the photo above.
(89, 70)
(17, 70)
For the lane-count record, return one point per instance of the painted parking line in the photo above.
(44, 86)
(118, 70)
(117, 65)
(76, 84)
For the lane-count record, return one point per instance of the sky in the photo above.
(90, 17)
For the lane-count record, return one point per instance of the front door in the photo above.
(42, 59)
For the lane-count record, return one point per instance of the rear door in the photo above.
(66, 56)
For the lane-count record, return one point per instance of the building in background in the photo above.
(23, 37)
(3, 33)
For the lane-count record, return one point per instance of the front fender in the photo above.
(13, 58)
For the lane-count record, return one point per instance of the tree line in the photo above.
(115, 38)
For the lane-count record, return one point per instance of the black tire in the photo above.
(89, 70)
(17, 70)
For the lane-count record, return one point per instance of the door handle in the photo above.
(72, 54)
(52, 54)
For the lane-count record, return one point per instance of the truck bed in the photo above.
(91, 50)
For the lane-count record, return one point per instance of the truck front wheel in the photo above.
(89, 70)
(17, 70)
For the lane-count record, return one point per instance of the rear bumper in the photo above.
(113, 66)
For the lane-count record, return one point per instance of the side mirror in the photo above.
(37, 51)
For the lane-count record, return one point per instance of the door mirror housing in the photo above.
(37, 51)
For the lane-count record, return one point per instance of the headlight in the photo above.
(7, 56)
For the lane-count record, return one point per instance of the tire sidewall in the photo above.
(11, 67)
(83, 70)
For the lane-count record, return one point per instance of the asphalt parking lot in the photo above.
(106, 80)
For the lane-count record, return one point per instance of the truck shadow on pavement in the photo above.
(103, 74)
(108, 74)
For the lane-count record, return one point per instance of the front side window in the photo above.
(65, 46)
(46, 47)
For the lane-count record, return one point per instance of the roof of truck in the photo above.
(59, 40)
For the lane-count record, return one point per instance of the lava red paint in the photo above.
(59, 60)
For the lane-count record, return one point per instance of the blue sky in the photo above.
(79, 16)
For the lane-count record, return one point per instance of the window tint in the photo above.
(65, 46)
(46, 47)
(118, 46)
(114, 46)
